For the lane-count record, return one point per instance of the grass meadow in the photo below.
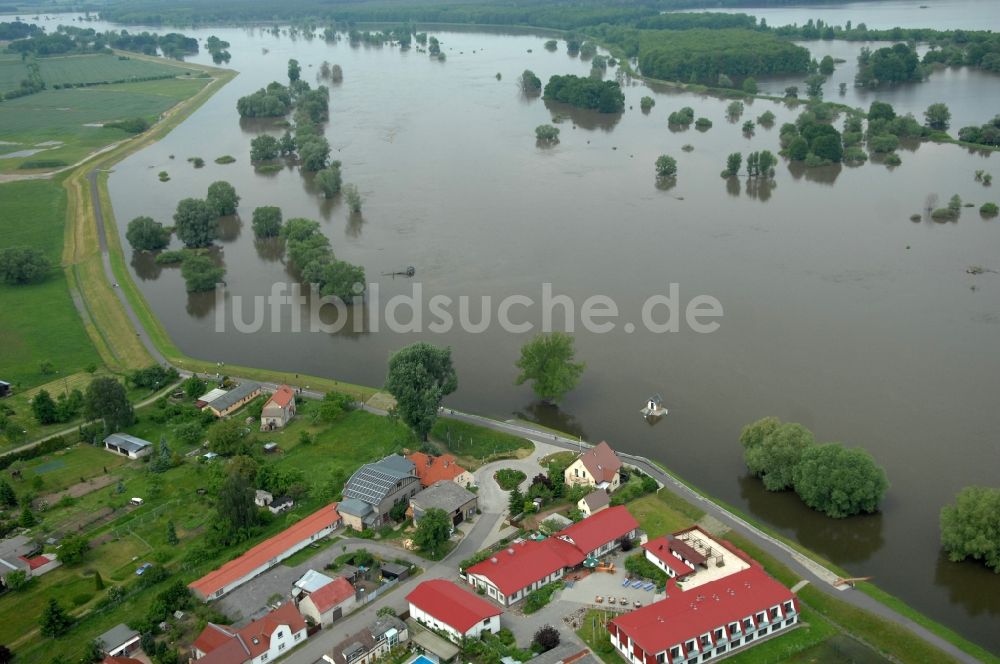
(89, 68)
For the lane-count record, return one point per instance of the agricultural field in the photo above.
(39, 322)
(61, 127)
(84, 69)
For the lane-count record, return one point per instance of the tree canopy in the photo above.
(23, 265)
(838, 481)
(547, 361)
(420, 376)
(773, 455)
(106, 400)
(433, 532)
(200, 273)
(145, 234)
(222, 198)
(970, 528)
(195, 222)
(266, 221)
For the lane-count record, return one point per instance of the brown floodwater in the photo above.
(839, 312)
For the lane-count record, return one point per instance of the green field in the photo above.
(72, 117)
(38, 321)
(92, 68)
(475, 445)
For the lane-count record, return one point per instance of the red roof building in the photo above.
(658, 552)
(601, 532)
(267, 554)
(279, 410)
(329, 603)
(262, 640)
(431, 469)
(511, 573)
(445, 606)
(711, 619)
(120, 660)
(597, 467)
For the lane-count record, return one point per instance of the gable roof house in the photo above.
(120, 640)
(126, 445)
(458, 503)
(279, 409)
(512, 573)
(375, 488)
(21, 553)
(234, 399)
(267, 554)
(371, 643)
(594, 502)
(432, 469)
(328, 603)
(597, 467)
(445, 606)
(263, 640)
(730, 603)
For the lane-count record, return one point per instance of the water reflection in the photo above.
(230, 227)
(355, 223)
(820, 174)
(733, 186)
(844, 541)
(201, 304)
(964, 580)
(583, 118)
(549, 415)
(760, 188)
(145, 265)
(270, 249)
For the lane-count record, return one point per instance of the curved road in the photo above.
(806, 568)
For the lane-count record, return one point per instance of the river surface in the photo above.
(839, 312)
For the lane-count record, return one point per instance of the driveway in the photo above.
(494, 499)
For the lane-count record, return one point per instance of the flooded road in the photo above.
(839, 312)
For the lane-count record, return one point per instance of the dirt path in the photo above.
(79, 489)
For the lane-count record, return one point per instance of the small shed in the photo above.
(119, 641)
(126, 445)
(394, 571)
(281, 504)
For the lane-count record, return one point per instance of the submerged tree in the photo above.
(145, 234)
(666, 166)
(547, 361)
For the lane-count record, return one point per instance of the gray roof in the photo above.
(395, 569)
(11, 550)
(443, 494)
(597, 499)
(354, 507)
(312, 581)
(372, 482)
(116, 636)
(127, 442)
(383, 624)
(235, 395)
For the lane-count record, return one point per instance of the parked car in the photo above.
(143, 568)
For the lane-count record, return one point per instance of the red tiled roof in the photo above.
(520, 565)
(602, 462)
(282, 396)
(688, 614)
(259, 555)
(431, 469)
(688, 551)
(332, 594)
(660, 548)
(451, 605)
(37, 561)
(600, 528)
(120, 660)
(223, 645)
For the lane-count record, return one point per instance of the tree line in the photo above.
(585, 92)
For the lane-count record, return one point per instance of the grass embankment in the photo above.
(474, 445)
(123, 537)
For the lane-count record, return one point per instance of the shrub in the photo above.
(703, 124)
(546, 133)
(509, 478)
(989, 210)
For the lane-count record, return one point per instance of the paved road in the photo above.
(808, 569)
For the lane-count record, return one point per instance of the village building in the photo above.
(208, 397)
(432, 469)
(21, 553)
(126, 445)
(594, 502)
(279, 409)
(329, 602)
(263, 640)
(280, 504)
(511, 574)
(458, 503)
(661, 553)
(262, 498)
(267, 554)
(598, 467)
(375, 488)
(119, 641)
(234, 399)
(371, 643)
(445, 606)
(726, 603)
(121, 660)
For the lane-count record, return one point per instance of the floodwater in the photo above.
(839, 312)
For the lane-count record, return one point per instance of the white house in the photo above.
(279, 409)
(263, 640)
(597, 467)
(328, 603)
(594, 502)
(444, 606)
(126, 445)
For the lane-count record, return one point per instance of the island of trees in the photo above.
(829, 478)
(585, 92)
